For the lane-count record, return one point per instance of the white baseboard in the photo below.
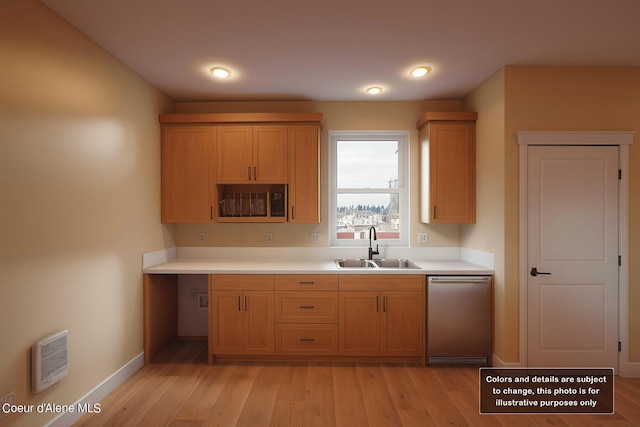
(625, 370)
(629, 369)
(499, 363)
(99, 392)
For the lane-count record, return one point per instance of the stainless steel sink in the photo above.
(394, 263)
(375, 263)
(355, 263)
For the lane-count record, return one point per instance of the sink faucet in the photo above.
(371, 251)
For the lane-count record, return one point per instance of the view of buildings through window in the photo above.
(368, 189)
(354, 220)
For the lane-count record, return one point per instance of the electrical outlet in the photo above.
(194, 293)
(315, 237)
(202, 237)
(268, 237)
(10, 398)
(423, 238)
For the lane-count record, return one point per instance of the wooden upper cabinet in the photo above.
(207, 158)
(234, 154)
(188, 173)
(304, 202)
(448, 167)
(252, 154)
(270, 155)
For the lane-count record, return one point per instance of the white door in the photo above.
(573, 256)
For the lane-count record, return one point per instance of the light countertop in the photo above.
(283, 266)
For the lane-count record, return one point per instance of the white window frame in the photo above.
(403, 183)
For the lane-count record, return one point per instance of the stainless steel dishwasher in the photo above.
(459, 319)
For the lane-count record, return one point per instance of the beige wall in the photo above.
(487, 234)
(574, 99)
(544, 98)
(80, 202)
(337, 116)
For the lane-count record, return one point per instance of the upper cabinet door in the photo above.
(448, 167)
(234, 155)
(453, 172)
(304, 174)
(188, 173)
(269, 165)
(252, 154)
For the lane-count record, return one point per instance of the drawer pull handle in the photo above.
(307, 339)
(306, 283)
(306, 306)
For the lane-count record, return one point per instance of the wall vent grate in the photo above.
(49, 360)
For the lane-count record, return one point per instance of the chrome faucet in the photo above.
(371, 251)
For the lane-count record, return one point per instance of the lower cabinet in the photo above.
(382, 315)
(241, 314)
(307, 315)
(370, 315)
(401, 329)
(307, 339)
(360, 323)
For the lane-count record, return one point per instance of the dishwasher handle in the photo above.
(459, 279)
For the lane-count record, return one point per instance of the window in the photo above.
(369, 187)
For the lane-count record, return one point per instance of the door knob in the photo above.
(535, 272)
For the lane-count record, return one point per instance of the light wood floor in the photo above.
(179, 389)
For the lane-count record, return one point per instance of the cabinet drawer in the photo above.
(306, 307)
(317, 340)
(382, 282)
(241, 282)
(307, 282)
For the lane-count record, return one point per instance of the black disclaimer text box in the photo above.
(546, 391)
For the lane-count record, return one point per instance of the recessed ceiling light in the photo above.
(420, 71)
(221, 73)
(375, 90)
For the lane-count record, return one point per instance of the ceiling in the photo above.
(334, 49)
